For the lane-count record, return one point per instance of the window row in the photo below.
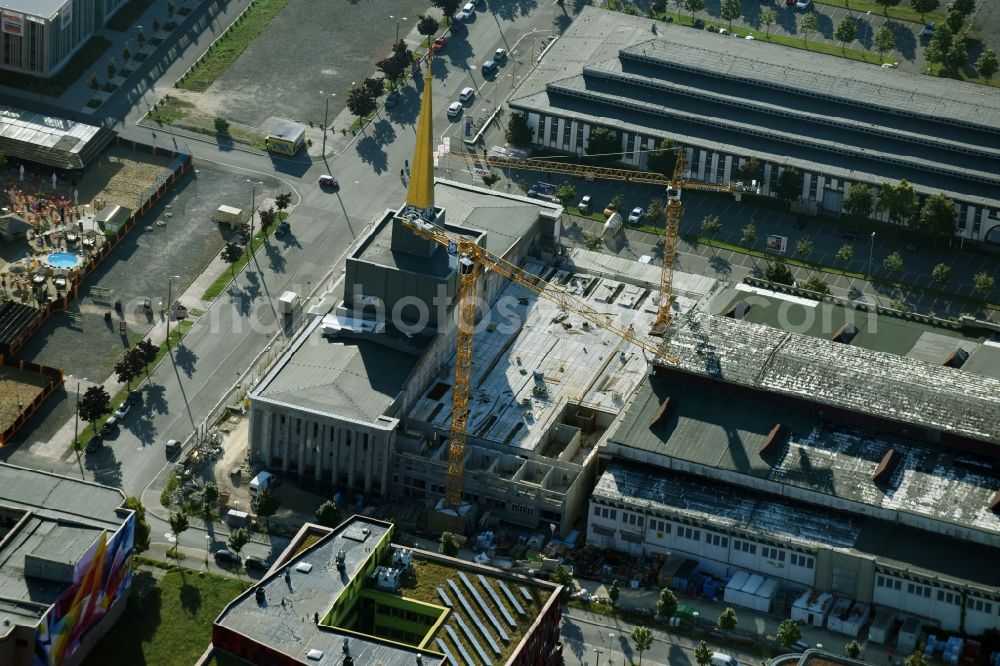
(802, 561)
(775, 554)
(605, 512)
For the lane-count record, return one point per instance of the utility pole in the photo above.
(170, 295)
(76, 421)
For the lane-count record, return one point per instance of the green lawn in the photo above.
(903, 11)
(236, 40)
(223, 280)
(169, 110)
(169, 618)
(54, 86)
(128, 15)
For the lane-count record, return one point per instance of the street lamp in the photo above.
(326, 115)
(871, 249)
(397, 19)
(611, 650)
(597, 659)
(170, 295)
(694, 622)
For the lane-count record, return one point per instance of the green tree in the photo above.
(853, 649)
(694, 6)
(711, 226)
(937, 48)
(899, 202)
(170, 9)
(963, 7)
(447, 7)
(141, 539)
(231, 253)
(374, 86)
(986, 64)
(268, 216)
(954, 20)
(156, 25)
(448, 544)
(915, 659)
(789, 186)
(642, 639)
(148, 351)
(614, 592)
(209, 497)
(804, 247)
(427, 26)
(221, 126)
(666, 604)
(983, 283)
(268, 504)
(768, 17)
(361, 102)
(924, 6)
(283, 200)
(858, 202)
(604, 145)
(941, 274)
(788, 633)
(126, 55)
(731, 10)
(491, 179)
(327, 514)
(178, 524)
(519, 132)
(728, 619)
(936, 220)
(817, 284)
(238, 538)
(957, 55)
(129, 367)
(95, 82)
(777, 271)
(847, 31)
(748, 234)
(94, 404)
(562, 576)
(845, 253)
(884, 41)
(886, 4)
(703, 654)
(395, 65)
(663, 158)
(893, 263)
(616, 202)
(808, 24)
(750, 170)
(565, 192)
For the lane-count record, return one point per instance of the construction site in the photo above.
(476, 368)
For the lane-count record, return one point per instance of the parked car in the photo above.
(803, 4)
(122, 410)
(173, 447)
(927, 33)
(455, 109)
(469, 8)
(391, 99)
(490, 68)
(500, 56)
(328, 181)
(790, 3)
(95, 443)
(635, 215)
(439, 44)
(466, 95)
(585, 203)
(226, 557)
(256, 562)
(109, 426)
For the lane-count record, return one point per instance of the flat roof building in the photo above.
(836, 121)
(39, 37)
(50, 141)
(65, 565)
(348, 595)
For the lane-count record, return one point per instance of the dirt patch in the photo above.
(18, 388)
(121, 177)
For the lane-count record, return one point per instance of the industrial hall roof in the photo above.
(50, 141)
(816, 112)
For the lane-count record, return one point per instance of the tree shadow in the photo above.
(155, 399)
(720, 265)
(383, 132)
(275, 259)
(143, 429)
(511, 9)
(185, 359)
(786, 21)
(190, 597)
(371, 152)
(866, 32)
(407, 103)
(824, 25)
(105, 467)
(906, 42)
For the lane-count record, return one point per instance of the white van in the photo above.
(719, 659)
(262, 482)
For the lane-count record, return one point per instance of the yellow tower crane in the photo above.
(471, 258)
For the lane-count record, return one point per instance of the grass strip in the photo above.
(54, 86)
(231, 45)
(902, 12)
(169, 110)
(221, 282)
(128, 15)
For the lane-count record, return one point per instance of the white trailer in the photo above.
(288, 302)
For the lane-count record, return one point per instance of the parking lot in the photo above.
(308, 48)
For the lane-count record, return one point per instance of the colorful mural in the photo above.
(101, 577)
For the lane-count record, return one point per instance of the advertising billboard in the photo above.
(777, 244)
(13, 23)
(66, 15)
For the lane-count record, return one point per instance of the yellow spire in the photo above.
(420, 191)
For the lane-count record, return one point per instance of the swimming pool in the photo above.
(62, 260)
